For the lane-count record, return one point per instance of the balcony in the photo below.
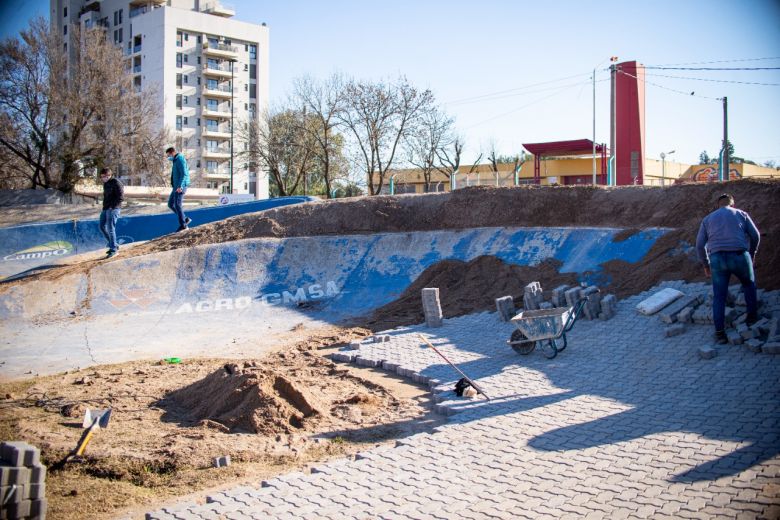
(217, 8)
(220, 91)
(217, 131)
(221, 71)
(144, 3)
(219, 111)
(218, 173)
(221, 50)
(217, 152)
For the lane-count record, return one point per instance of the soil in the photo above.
(680, 207)
(289, 410)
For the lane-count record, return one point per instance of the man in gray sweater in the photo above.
(726, 244)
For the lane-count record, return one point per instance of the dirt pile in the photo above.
(466, 287)
(680, 208)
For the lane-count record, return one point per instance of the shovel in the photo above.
(93, 421)
(467, 378)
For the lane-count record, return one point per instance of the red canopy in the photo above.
(575, 147)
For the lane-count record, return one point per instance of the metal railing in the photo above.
(219, 47)
(218, 149)
(222, 67)
(220, 88)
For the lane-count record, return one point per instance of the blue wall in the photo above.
(30, 246)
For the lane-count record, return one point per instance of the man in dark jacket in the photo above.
(180, 179)
(726, 244)
(113, 195)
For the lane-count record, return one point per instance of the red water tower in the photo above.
(628, 122)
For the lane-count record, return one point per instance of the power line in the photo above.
(500, 92)
(587, 82)
(716, 80)
(688, 94)
(719, 61)
(713, 68)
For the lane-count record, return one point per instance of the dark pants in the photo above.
(108, 218)
(175, 202)
(723, 264)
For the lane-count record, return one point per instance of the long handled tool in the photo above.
(467, 378)
(100, 420)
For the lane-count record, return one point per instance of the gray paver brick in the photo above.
(624, 423)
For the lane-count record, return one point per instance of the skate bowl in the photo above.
(31, 246)
(207, 295)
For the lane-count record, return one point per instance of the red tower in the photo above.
(628, 139)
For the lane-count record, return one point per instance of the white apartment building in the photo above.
(211, 71)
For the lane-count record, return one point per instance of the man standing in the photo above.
(113, 195)
(731, 239)
(180, 179)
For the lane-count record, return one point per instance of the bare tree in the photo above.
(67, 115)
(378, 116)
(426, 141)
(25, 99)
(449, 156)
(279, 143)
(324, 103)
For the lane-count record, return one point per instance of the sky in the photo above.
(514, 72)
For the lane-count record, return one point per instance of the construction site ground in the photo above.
(624, 423)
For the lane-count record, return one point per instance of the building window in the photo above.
(253, 71)
(198, 141)
(246, 106)
(211, 84)
(211, 144)
(118, 17)
(198, 80)
(198, 60)
(212, 124)
(246, 67)
(178, 100)
(212, 104)
(178, 60)
(178, 39)
(246, 87)
(185, 78)
(186, 37)
(178, 80)
(198, 122)
(118, 36)
(253, 91)
(197, 164)
(253, 52)
(186, 122)
(178, 122)
(65, 12)
(198, 100)
(199, 39)
(185, 59)
(211, 165)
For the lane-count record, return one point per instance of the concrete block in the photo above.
(19, 453)
(707, 352)
(771, 348)
(432, 307)
(532, 296)
(559, 295)
(380, 338)
(18, 475)
(572, 296)
(222, 462)
(38, 509)
(669, 313)
(609, 304)
(13, 493)
(658, 301)
(505, 307)
(734, 337)
(674, 330)
(773, 330)
(15, 510)
(748, 334)
(354, 345)
(754, 345)
(37, 474)
(685, 315)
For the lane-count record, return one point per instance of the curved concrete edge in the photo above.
(327, 277)
(29, 246)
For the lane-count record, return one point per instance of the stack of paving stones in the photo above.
(597, 306)
(581, 436)
(695, 308)
(22, 482)
(432, 307)
(532, 296)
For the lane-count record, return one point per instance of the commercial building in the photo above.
(210, 72)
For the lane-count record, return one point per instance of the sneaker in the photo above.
(720, 337)
(110, 253)
(187, 221)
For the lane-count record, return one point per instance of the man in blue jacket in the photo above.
(113, 195)
(731, 239)
(180, 179)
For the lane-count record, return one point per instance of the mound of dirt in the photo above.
(466, 287)
(679, 207)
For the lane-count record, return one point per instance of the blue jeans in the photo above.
(108, 218)
(723, 264)
(175, 202)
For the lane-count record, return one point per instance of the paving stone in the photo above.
(505, 307)
(754, 345)
(674, 330)
(771, 348)
(707, 352)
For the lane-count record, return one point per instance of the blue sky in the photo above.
(465, 51)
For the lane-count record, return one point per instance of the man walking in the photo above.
(113, 195)
(180, 179)
(731, 239)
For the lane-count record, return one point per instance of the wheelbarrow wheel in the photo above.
(548, 348)
(522, 348)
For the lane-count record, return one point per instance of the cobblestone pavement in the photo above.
(624, 423)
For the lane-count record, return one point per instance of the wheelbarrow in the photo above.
(545, 327)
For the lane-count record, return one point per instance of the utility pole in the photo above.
(232, 88)
(613, 124)
(724, 165)
(594, 127)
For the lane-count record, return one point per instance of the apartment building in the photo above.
(210, 71)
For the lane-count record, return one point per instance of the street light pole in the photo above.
(663, 166)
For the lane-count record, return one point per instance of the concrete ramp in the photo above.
(27, 247)
(203, 300)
